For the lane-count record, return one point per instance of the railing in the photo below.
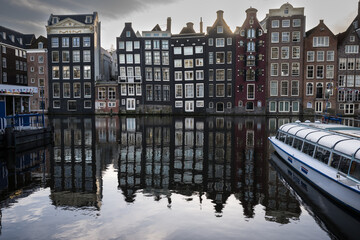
(23, 121)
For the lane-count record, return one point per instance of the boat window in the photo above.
(289, 140)
(322, 155)
(336, 158)
(298, 144)
(281, 136)
(308, 148)
(355, 170)
(344, 165)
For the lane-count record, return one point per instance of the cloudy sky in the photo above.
(30, 16)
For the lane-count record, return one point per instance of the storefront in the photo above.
(15, 99)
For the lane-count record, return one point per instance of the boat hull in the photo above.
(346, 196)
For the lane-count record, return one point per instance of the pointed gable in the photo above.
(156, 28)
(219, 22)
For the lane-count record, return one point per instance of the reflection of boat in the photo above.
(328, 155)
(339, 222)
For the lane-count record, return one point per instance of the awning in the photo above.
(16, 90)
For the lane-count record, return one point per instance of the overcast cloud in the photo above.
(30, 16)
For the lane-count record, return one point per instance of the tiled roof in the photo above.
(15, 38)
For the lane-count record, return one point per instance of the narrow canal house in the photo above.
(37, 68)
(130, 69)
(14, 92)
(285, 42)
(189, 70)
(220, 49)
(157, 65)
(250, 66)
(320, 48)
(348, 88)
(74, 59)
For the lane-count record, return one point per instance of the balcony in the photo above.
(129, 79)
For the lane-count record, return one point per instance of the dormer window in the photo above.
(220, 29)
(4, 35)
(286, 11)
(88, 19)
(55, 20)
(20, 41)
(12, 37)
(40, 45)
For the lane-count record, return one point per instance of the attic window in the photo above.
(20, 41)
(55, 20)
(88, 19)
(40, 45)
(352, 38)
(4, 35)
(128, 34)
(242, 33)
(220, 29)
(286, 11)
(12, 37)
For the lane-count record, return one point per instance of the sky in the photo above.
(30, 16)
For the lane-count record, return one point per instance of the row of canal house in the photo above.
(268, 67)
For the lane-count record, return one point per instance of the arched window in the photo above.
(251, 33)
(240, 103)
(319, 90)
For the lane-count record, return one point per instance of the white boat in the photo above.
(327, 155)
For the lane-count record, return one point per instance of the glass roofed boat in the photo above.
(328, 155)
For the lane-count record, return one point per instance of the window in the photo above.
(284, 88)
(178, 91)
(275, 23)
(211, 41)
(54, 42)
(157, 74)
(284, 106)
(76, 56)
(86, 42)
(310, 71)
(4, 77)
(251, 91)
(285, 23)
(121, 58)
(147, 44)
(188, 50)
(55, 72)
(211, 57)
(199, 62)
(294, 88)
(189, 106)
(165, 44)
(220, 74)
(189, 90)
(273, 88)
(220, 42)
(342, 80)
(76, 90)
(188, 63)
(121, 45)
(198, 49)
(272, 106)
(128, 34)
(295, 106)
(284, 69)
(330, 56)
(296, 36)
(66, 72)
(285, 37)
(342, 63)
(165, 58)
(220, 57)
(320, 41)
(66, 90)
(166, 74)
(274, 53)
(229, 57)
(250, 61)
(220, 90)
(56, 104)
(229, 41)
(199, 74)
(148, 74)
(157, 93)
(250, 75)
(76, 42)
(56, 90)
(178, 75)
(351, 48)
(149, 92)
(310, 56)
(229, 90)
(211, 74)
(65, 42)
(251, 33)
(166, 93)
(309, 89)
(189, 75)
(285, 53)
(87, 72)
(41, 59)
(330, 71)
(295, 52)
(199, 90)
(65, 56)
(220, 29)
(76, 72)
(156, 58)
(319, 71)
(274, 69)
(136, 45)
(250, 47)
(87, 90)
(4, 62)
(320, 56)
(295, 69)
(351, 63)
(296, 22)
(148, 59)
(211, 90)
(86, 56)
(274, 37)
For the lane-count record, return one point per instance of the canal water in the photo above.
(162, 178)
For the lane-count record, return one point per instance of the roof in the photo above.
(343, 139)
(20, 40)
(77, 17)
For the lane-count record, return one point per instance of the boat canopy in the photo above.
(328, 136)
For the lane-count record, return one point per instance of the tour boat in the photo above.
(327, 155)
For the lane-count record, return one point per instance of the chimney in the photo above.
(201, 25)
(321, 21)
(190, 25)
(168, 24)
(220, 14)
(128, 24)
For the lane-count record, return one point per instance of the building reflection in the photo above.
(199, 158)
(75, 176)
